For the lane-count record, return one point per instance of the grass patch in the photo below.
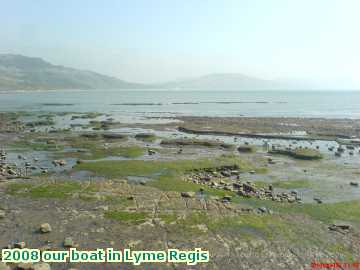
(118, 200)
(46, 122)
(249, 226)
(15, 188)
(340, 249)
(252, 225)
(166, 175)
(95, 149)
(288, 184)
(330, 212)
(247, 148)
(292, 184)
(168, 217)
(195, 142)
(98, 153)
(127, 217)
(59, 190)
(299, 153)
(327, 212)
(36, 146)
(123, 168)
(90, 115)
(114, 136)
(147, 137)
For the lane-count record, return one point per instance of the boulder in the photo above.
(340, 227)
(246, 148)
(60, 162)
(11, 172)
(69, 242)
(249, 188)
(226, 199)
(189, 194)
(318, 200)
(262, 209)
(79, 161)
(226, 173)
(45, 228)
(114, 136)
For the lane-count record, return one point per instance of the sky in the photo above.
(150, 41)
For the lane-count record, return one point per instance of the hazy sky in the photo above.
(159, 40)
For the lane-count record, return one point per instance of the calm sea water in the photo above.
(328, 104)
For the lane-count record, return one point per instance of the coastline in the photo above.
(101, 182)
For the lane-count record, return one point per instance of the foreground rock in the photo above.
(69, 242)
(228, 178)
(45, 228)
(189, 194)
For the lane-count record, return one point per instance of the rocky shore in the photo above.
(254, 203)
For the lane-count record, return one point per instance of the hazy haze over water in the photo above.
(327, 104)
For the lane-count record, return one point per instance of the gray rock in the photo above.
(226, 199)
(262, 209)
(2, 214)
(291, 199)
(45, 228)
(69, 242)
(11, 172)
(340, 227)
(226, 173)
(189, 194)
(59, 162)
(318, 200)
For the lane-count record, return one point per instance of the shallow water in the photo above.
(144, 107)
(135, 105)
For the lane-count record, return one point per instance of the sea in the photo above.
(152, 103)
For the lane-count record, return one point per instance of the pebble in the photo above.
(318, 200)
(69, 242)
(45, 228)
